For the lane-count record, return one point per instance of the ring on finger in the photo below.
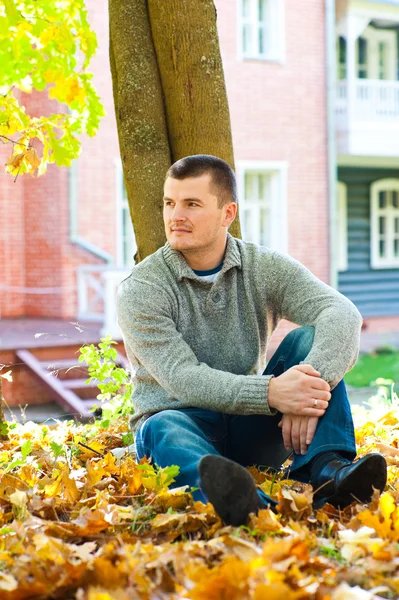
(315, 402)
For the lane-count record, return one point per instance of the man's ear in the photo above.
(230, 213)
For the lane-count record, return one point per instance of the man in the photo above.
(196, 318)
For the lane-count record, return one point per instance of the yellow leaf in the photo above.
(29, 474)
(387, 505)
(91, 522)
(15, 160)
(178, 522)
(48, 35)
(86, 453)
(33, 158)
(19, 499)
(83, 552)
(67, 90)
(71, 492)
(49, 549)
(95, 472)
(385, 521)
(109, 462)
(229, 580)
(132, 475)
(265, 521)
(357, 543)
(295, 504)
(176, 499)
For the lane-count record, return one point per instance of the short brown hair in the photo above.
(222, 175)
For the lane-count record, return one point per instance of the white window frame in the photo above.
(121, 203)
(276, 30)
(342, 227)
(377, 262)
(374, 36)
(278, 208)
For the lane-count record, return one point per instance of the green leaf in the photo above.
(26, 449)
(4, 427)
(5, 530)
(47, 46)
(128, 438)
(58, 449)
(15, 463)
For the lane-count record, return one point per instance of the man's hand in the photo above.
(298, 432)
(299, 391)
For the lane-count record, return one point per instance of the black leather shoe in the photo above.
(230, 488)
(340, 483)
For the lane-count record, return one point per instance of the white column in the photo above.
(351, 74)
(352, 27)
(83, 299)
(111, 281)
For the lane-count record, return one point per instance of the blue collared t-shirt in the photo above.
(211, 274)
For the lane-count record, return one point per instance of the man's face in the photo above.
(192, 218)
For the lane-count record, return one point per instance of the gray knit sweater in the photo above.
(192, 343)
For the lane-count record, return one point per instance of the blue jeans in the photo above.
(182, 437)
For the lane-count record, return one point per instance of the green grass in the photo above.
(370, 367)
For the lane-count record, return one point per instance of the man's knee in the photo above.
(152, 432)
(160, 424)
(301, 341)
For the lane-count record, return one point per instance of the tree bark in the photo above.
(170, 101)
(187, 47)
(140, 116)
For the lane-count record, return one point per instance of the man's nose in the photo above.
(178, 214)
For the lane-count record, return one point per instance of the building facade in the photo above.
(367, 119)
(68, 240)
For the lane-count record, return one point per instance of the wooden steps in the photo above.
(65, 379)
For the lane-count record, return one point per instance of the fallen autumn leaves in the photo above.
(79, 524)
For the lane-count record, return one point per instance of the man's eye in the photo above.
(168, 203)
(193, 204)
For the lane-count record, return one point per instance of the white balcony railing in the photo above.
(97, 287)
(374, 100)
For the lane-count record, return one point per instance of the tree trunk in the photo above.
(187, 47)
(195, 117)
(140, 117)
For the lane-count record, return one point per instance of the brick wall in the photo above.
(97, 165)
(12, 240)
(278, 113)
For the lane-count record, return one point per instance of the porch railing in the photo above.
(374, 100)
(97, 287)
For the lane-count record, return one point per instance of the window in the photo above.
(376, 54)
(126, 243)
(261, 29)
(341, 59)
(342, 227)
(362, 58)
(385, 224)
(262, 203)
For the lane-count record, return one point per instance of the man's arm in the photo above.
(145, 318)
(305, 300)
